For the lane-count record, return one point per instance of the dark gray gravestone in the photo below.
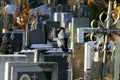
(17, 43)
(10, 58)
(49, 26)
(62, 65)
(36, 36)
(63, 61)
(31, 71)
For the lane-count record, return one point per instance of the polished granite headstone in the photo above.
(31, 71)
(36, 36)
(15, 40)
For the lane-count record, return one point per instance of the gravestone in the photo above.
(64, 62)
(84, 10)
(117, 60)
(18, 41)
(43, 17)
(63, 17)
(77, 23)
(31, 71)
(10, 58)
(49, 27)
(51, 11)
(36, 36)
(62, 59)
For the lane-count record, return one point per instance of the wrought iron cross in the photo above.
(106, 27)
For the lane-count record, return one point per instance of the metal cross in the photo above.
(105, 29)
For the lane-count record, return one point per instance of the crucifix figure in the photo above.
(105, 28)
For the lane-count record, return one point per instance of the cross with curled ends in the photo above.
(105, 28)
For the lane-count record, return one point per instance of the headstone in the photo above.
(57, 16)
(49, 27)
(36, 36)
(51, 11)
(117, 60)
(63, 17)
(43, 17)
(11, 8)
(84, 10)
(16, 39)
(9, 58)
(64, 62)
(77, 23)
(31, 71)
(43, 8)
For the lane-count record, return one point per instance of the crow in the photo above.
(62, 40)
